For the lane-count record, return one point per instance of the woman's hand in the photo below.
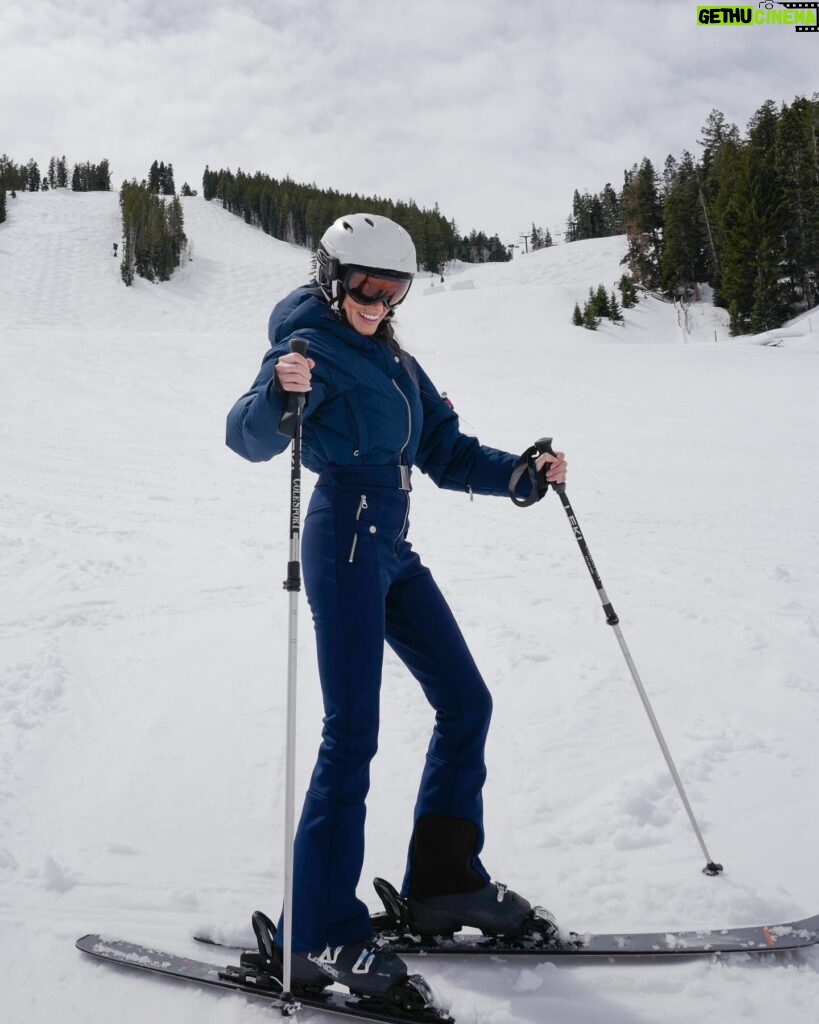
(556, 473)
(293, 372)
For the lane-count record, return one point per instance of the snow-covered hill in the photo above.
(143, 624)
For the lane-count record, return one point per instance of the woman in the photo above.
(371, 415)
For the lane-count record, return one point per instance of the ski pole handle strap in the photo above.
(526, 464)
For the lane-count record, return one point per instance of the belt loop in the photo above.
(405, 477)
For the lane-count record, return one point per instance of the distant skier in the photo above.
(371, 414)
(446, 400)
(115, 250)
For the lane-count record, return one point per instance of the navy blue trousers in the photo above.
(366, 585)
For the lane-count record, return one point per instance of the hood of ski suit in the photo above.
(366, 407)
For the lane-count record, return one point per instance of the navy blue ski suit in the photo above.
(370, 417)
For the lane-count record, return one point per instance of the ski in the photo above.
(724, 941)
(249, 982)
(544, 939)
(756, 939)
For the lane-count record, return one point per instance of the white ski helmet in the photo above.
(363, 241)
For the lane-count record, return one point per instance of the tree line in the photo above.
(300, 214)
(744, 217)
(594, 215)
(86, 177)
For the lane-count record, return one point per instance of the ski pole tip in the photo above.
(712, 868)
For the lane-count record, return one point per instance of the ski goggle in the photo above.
(368, 288)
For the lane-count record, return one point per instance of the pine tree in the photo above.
(628, 291)
(797, 168)
(610, 207)
(577, 315)
(589, 315)
(547, 241)
(716, 133)
(684, 260)
(32, 176)
(2, 205)
(102, 177)
(126, 267)
(767, 309)
(642, 216)
(153, 177)
(169, 189)
(52, 172)
(601, 302)
(62, 173)
(614, 309)
(671, 170)
(751, 218)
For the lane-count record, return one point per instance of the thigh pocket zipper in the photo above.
(362, 504)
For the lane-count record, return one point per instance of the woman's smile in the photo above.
(364, 319)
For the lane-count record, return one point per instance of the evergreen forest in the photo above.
(743, 217)
(152, 231)
(300, 214)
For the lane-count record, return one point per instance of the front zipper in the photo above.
(362, 504)
(401, 453)
(409, 420)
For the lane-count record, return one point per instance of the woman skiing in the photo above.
(371, 416)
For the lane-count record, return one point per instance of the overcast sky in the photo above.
(495, 109)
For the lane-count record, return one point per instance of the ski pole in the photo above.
(526, 464)
(291, 424)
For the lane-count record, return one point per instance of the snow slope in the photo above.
(143, 625)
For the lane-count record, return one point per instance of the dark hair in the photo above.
(385, 334)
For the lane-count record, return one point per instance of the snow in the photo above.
(144, 626)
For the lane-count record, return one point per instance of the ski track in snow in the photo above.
(143, 626)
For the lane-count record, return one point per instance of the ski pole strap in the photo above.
(526, 464)
(295, 399)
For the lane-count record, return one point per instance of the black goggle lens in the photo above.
(367, 289)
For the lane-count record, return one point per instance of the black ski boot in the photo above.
(494, 909)
(505, 918)
(448, 892)
(369, 969)
(366, 968)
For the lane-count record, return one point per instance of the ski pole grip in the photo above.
(299, 346)
(526, 464)
(295, 399)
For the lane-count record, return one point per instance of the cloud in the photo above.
(496, 110)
